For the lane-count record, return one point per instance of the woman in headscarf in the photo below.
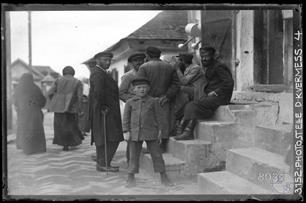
(66, 96)
(29, 100)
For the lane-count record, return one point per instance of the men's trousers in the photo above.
(155, 151)
(111, 150)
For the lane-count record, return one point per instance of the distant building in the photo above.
(166, 31)
(40, 73)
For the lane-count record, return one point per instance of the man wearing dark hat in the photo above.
(126, 88)
(218, 89)
(104, 100)
(191, 77)
(164, 85)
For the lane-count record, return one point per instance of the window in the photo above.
(271, 38)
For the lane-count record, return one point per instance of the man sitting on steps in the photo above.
(218, 89)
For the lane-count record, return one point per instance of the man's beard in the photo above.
(206, 63)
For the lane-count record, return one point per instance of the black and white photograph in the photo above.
(152, 102)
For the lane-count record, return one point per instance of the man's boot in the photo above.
(131, 182)
(94, 157)
(188, 132)
(165, 180)
(181, 127)
(106, 169)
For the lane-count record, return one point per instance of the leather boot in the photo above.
(131, 182)
(94, 157)
(165, 180)
(108, 169)
(186, 135)
(188, 132)
(65, 148)
(181, 127)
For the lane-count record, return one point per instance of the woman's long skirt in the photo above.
(66, 129)
(30, 131)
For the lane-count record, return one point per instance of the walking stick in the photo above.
(105, 146)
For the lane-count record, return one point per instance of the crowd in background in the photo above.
(161, 99)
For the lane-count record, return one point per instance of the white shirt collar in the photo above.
(101, 68)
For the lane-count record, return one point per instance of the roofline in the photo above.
(27, 66)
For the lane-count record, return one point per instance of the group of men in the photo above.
(184, 93)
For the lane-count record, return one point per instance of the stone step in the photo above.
(276, 139)
(206, 130)
(257, 165)
(174, 166)
(195, 154)
(239, 106)
(245, 116)
(224, 135)
(225, 182)
(222, 113)
(266, 113)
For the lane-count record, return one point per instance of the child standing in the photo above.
(141, 122)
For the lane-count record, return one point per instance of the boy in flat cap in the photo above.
(104, 99)
(126, 88)
(142, 122)
(164, 85)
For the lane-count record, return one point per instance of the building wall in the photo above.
(245, 49)
(280, 108)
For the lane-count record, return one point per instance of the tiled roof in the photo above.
(168, 24)
(36, 72)
(43, 69)
(48, 78)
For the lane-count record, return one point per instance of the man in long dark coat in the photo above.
(104, 98)
(218, 90)
(164, 85)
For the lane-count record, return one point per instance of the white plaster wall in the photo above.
(245, 49)
(282, 113)
(119, 65)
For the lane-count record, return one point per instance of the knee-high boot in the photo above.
(188, 131)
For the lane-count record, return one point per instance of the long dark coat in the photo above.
(104, 92)
(164, 82)
(29, 100)
(218, 79)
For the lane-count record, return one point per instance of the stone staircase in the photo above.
(253, 153)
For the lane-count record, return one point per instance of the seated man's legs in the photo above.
(197, 110)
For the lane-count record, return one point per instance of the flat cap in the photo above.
(153, 51)
(136, 55)
(140, 81)
(212, 50)
(185, 56)
(104, 54)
